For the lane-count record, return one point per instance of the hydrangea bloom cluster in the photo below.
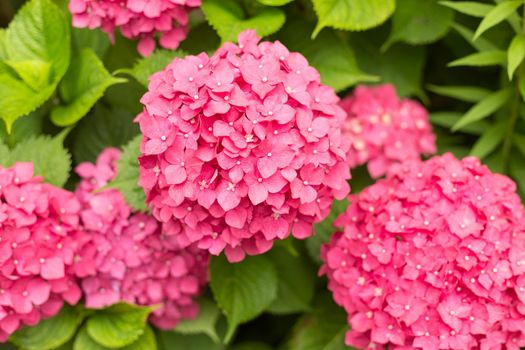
(37, 222)
(241, 148)
(384, 129)
(432, 257)
(141, 19)
(125, 257)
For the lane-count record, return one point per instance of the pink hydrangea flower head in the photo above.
(384, 129)
(432, 257)
(37, 225)
(125, 257)
(137, 19)
(241, 148)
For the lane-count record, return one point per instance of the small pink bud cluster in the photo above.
(241, 148)
(141, 19)
(125, 257)
(37, 222)
(432, 257)
(384, 130)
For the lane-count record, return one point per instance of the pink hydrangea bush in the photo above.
(137, 19)
(384, 129)
(432, 257)
(125, 257)
(37, 224)
(241, 148)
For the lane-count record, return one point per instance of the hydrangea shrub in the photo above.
(264, 174)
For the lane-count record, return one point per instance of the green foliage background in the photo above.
(65, 94)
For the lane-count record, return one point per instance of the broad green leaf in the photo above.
(50, 333)
(146, 66)
(118, 325)
(489, 140)
(295, 290)
(82, 86)
(521, 86)
(228, 19)
(23, 128)
(48, 155)
(332, 57)
(204, 323)
(448, 119)
(34, 73)
(480, 44)
(324, 229)
(127, 177)
(146, 341)
(103, 127)
(4, 154)
(84, 342)
(275, 2)
(480, 59)
(419, 22)
(470, 8)
(462, 93)
(515, 54)
(484, 108)
(352, 14)
(37, 37)
(496, 15)
(402, 65)
(243, 290)
(175, 341)
(323, 329)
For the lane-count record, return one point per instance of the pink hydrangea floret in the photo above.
(125, 257)
(137, 19)
(432, 257)
(241, 148)
(37, 224)
(384, 129)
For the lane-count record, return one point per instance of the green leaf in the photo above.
(37, 37)
(48, 155)
(484, 108)
(243, 290)
(146, 66)
(462, 93)
(275, 2)
(94, 39)
(448, 119)
(331, 56)
(479, 44)
(175, 341)
(521, 86)
(127, 177)
(34, 73)
(228, 19)
(82, 86)
(324, 229)
(402, 65)
(84, 342)
(516, 53)
(118, 325)
(204, 323)
(323, 329)
(252, 346)
(23, 128)
(50, 333)
(470, 8)
(480, 59)
(497, 14)
(295, 290)
(352, 14)
(103, 127)
(146, 341)
(419, 22)
(519, 142)
(4, 154)
(489, 140)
